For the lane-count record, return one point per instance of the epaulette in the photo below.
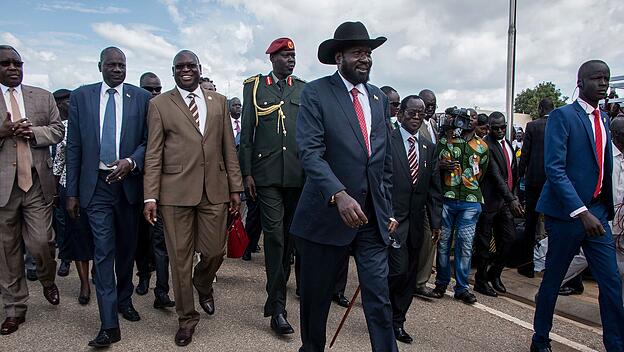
(250, 79)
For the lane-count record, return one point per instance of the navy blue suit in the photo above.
(113, 209)
(572, 174)
(333, 155)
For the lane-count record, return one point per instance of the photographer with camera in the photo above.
(463, 159)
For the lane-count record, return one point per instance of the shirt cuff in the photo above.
(131, 163)
(151, 200)
(575, 213)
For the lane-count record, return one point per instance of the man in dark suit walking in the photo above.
(415, 190)
(106, 141)
(499, 208)
(346, 200)
(531, 167)
(577, 201)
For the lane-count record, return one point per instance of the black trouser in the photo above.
(161, 258)
(500, 223)
(277, 207)
(532, 194)
(403, 284)
(253, 226)
(144, 256)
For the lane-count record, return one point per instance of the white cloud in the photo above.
(81, 7)
(137, 39)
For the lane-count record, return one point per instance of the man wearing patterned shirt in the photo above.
(463, 160)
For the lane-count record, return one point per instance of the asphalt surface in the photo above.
(238, 325)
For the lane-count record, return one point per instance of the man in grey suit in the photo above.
(30, 123)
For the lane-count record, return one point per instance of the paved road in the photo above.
(238, 325)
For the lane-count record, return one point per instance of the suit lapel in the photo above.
(500, 158)
(95, 105)
(582, 115)
(211, 111)
(399, 146)
(126, 101)
(174, 94)
(27, 93)
(340, 91)
(377, 115)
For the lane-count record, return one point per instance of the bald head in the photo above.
(150, 82)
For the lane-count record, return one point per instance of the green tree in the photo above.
(526, 102)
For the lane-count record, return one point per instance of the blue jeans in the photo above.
(458, 217)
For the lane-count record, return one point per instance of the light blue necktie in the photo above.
(108, 150)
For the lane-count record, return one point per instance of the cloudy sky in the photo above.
(456, 48)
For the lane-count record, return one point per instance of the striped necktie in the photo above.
(412, 159)
(194, 109)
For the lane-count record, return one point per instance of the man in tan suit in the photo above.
(29, 124)
(191, 174)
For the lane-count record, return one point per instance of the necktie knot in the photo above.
(111, 91)
(191, 96)
(596, 113)
(354, 92)
(411, 140)
(11, 90)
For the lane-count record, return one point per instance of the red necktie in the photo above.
(508, 163)
(412, 159)
(360, 116)
(599, 151)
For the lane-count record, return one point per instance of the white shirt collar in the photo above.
(585, 105)
(616, 151)
(360, 87)
(5, 89)
(105, 87)
(184, 93)
(405, 135)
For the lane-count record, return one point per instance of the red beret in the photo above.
(280, 44)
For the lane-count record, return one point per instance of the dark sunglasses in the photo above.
(7, 63)
(396, 104)
(181, 67)
(410, 114)
(498, 128)
(153, 89)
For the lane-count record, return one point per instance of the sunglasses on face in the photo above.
(410, 114)
(498, 128)
(7, 63)
(181, 67)
(396, 104)
(153, 89)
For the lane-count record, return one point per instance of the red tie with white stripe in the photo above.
(599, 150)
(412, 159)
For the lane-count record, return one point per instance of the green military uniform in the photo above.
(268, 153)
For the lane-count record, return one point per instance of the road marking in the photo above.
(557, 338)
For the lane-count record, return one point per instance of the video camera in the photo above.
(455, 119)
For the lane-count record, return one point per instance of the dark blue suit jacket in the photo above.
(83, 141)
(571, 164)
(334, 157)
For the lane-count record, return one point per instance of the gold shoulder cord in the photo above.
(269, 110)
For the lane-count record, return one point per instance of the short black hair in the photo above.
(482, 119)
(405, 100)
(148, 75)
(387, 90)
(8, 47)
(496, 115)
(546, 105)
(584, 69)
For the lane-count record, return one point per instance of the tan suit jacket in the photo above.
(48, 129)
(180, 162)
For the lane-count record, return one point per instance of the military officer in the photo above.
(271, 169)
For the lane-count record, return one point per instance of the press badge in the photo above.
(475, 164)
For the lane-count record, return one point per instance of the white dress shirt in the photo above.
(506, 149)
(118, 116)
(431, 131)
(590, 115)
(7, 100)
(364, 102)
(199, 101)
(406, 135)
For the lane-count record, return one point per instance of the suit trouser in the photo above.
(500, 223)
(319, 265)
(26, 216)
(403, 284)
(425, 256)
(144, 255)
(161, 257)
(277, 207)
(564, 240)
(114, 224)
(532, 194)
(253, 227)
(200, 228)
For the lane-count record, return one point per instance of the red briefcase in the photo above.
(237, 238)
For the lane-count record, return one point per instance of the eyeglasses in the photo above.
(410, 114)
(396, 104)
(153, 89)
(498, 128)
(7, 63)
(181, 67)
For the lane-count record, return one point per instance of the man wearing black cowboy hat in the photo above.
(345, 152)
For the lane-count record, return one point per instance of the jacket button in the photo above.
(259, 155)
(283, 148)
(14, 164)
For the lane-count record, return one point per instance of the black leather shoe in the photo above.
(439, 291)
(143, 286)
(526, 271)
(207, 302)
(63, 269)
(31, 275)
(163, 302)
(246, 256)
(565, 291)
(51, 293)
(401, 335)
(280, 325)
(534, 348)
(341, 300)
(130, 314)
(466, 297)
(11, 324)
(184, 336)
(105, 338)
(497, 284)
(257, 249)
(425, 292)
(84, 300)
(485, 289)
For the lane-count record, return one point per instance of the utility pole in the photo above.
(511, 66)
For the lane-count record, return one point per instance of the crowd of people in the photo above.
(112, 175)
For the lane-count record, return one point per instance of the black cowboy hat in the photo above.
(346, 35)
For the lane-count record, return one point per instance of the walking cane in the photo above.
(344, 317)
